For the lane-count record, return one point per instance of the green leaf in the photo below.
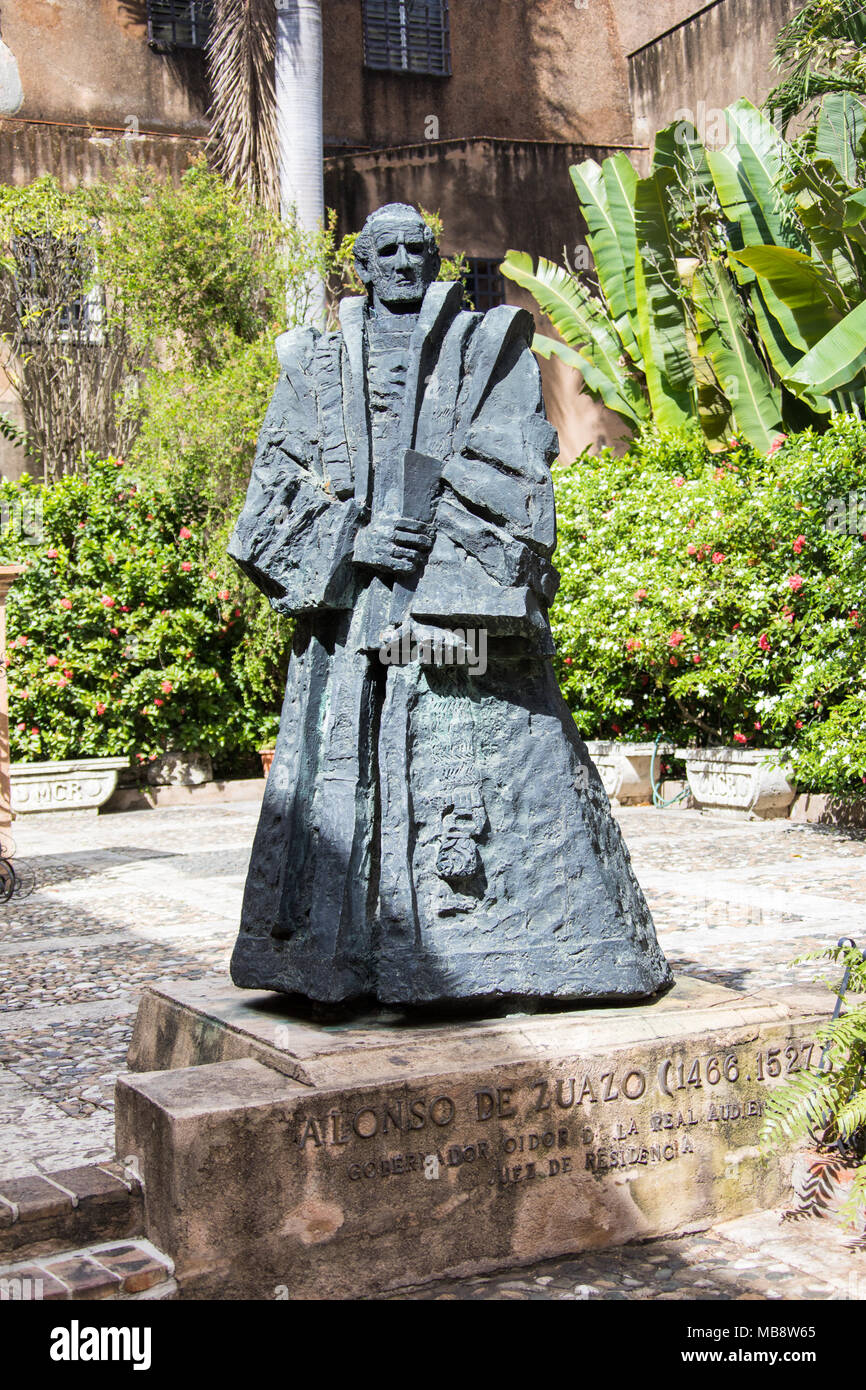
(841, 126)
(583, 323)
(837, 360)
(634, 411)
(756, 404)
(606, 197)
(802, 287)
(661, 311)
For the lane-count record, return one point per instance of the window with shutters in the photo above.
(409, 36)
(484, 283)
(178, 23)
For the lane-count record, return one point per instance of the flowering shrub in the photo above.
(122, 637)
(717, 598)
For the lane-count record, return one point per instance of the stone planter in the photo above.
(739, 780)
(81, 784)
(624, 769)
(177, 769)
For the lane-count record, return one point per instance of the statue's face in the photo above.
(402, 265)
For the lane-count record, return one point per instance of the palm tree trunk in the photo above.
(298, 81)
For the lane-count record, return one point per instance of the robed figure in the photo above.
(432, 829)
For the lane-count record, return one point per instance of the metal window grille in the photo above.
(485, 285)
(53, 296)
(407, 36)
(178, 23)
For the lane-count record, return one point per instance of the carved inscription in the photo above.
(601, 1120)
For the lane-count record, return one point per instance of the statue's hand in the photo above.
(393, 545)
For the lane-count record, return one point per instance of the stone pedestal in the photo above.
(282, 1157)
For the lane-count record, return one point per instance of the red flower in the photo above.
(64, 680)
(52, 554)
(633, 644)
(798, 724)
(640, 594)
(113, 632)
(691, 549)
(158, 703)
(759, 725)
(679, 482)
(211, 574)
(799, 545)
(764, 642)
(167, 687)
(184, 534)
(718, 558)
(107, 602)
(740, 738)
(776, 445)
(795, 583)
(616, 728)
(21, 728)
(674, 661)
(676, 639)
(53, 661)
(186, 566)
(101, 708)
(854, 617)
(34, 730)
(696, 660)
(67, 673)
(224, 595)
(568, 661)
(22, 641)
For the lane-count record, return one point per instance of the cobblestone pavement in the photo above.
(131, 898)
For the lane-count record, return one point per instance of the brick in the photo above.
(136, 1267)
(92, 1186)
(7, 1214)
(13, 1277)
(35, 1198)
(83, 1277)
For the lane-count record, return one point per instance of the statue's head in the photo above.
(396, 256)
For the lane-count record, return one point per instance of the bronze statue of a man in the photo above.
(433, 830)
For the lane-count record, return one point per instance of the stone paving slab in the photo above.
(756, 1258)
(125, 900)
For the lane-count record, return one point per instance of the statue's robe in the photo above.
(427, 834)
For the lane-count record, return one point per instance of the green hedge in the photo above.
(123, 637)
(717, 598)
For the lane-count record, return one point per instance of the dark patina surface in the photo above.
(433, 830)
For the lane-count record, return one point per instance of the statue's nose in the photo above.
(402, 258)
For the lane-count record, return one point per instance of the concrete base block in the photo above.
(284, 1157)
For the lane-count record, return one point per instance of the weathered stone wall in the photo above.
(701, 66)
(493, 195)
(89, 61)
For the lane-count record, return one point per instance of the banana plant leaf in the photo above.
(841, 127)
(606, 195)
(801, 285)
(582, 323)
(756, 403)
(838, 360)
(660, 299)
(634, 410)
